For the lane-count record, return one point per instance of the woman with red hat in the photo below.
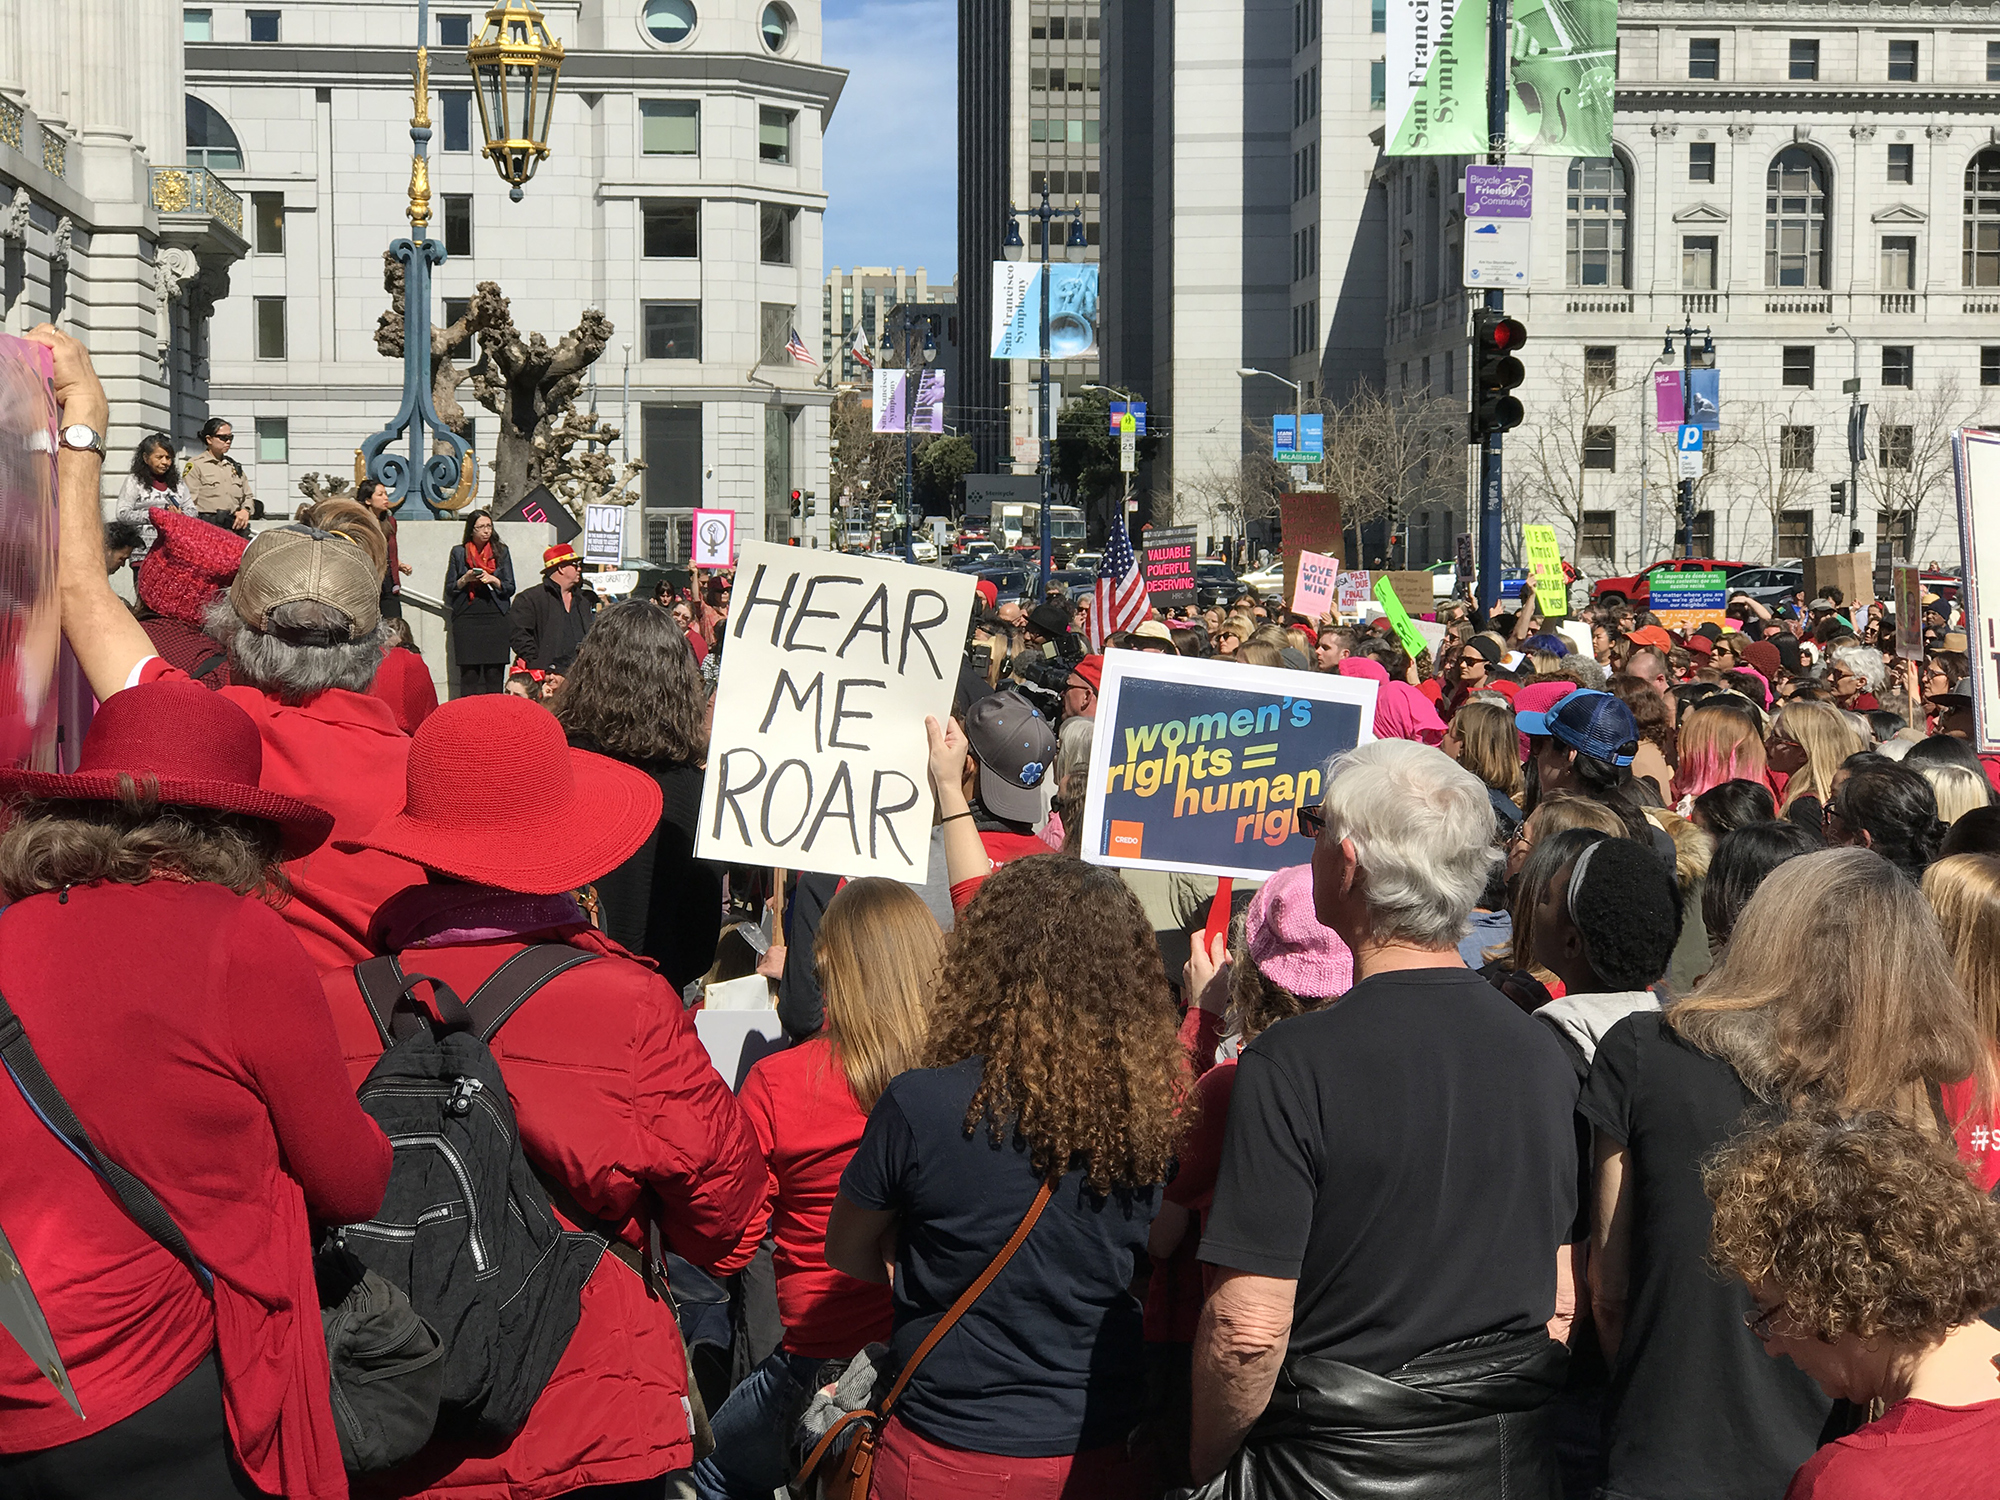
(180, 1020)
(617, 1103)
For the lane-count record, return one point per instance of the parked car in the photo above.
(1770, 587)
(1086, 562)
(1635, 590)
(1268, 581)
(1444, 581)
(976, 548)
(1076, 581)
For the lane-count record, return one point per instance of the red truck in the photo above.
(1635, 590)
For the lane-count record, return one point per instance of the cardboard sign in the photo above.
(1312, 595)
(1399, 617)
(1167, 562)
(1687, 601)
(1352, 591)
(818, 759)
(1545, 569)
(1976, 471)
(542, 508)
(604, 534)
(1908, 582)
(1310, 521)
(714, 538)
(1203, 765)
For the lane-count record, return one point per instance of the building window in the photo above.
(1598, 227)
(1899, 262)
(1903, 164)
(197, 25)
(1378, 84)
(1450, 378)
(1899, 365)
(774, 136)
(1597, 537)
(210, 141)
(1795, 213)
(1798, 365)
(1993, 62)
(454, 30)
(1600, 448)
(263, 25)
(670, 127)
(774, 321)
(268, 210)
(454, 309)
(1795, 533)
(1982, 220)
(1705, 57)
(1600, 367)
(1795, 448)
(1989, 364)
(670, 21)
(270, 327)
(1701, 161)
(1704, 533)
(672, 329)
(1898, 446)
(456, 106)
(274, 442)
(1902, 62)
(1378, 16)
(1894, 536)
(671, 231)
(774, 234)
(775, 27)
(458, 223)
(1804, 61)
(1698, 262)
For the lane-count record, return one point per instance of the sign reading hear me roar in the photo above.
(829, 664)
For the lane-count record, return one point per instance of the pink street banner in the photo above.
(1669, 401)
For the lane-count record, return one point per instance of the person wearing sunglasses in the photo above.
(220, 488)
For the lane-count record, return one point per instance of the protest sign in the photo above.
(1312, 596)
(1688, 601)
(1169, 565)
(1976, 470)
(818, 759)
(1908, 582)
(1399, 618)
(1352, 591)
(541, 507)
(714, 538)
(1545, 570)
(604, 534)
(1203, 765)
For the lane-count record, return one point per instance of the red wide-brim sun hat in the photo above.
(496, 796)
(190, 747)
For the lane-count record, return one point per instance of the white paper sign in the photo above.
(1976, 457)
(818, 759)
(1496, 252)
(714, 538)
(604, 533)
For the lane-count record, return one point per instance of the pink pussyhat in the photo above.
(1288, 943)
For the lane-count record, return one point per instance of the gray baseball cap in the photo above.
(1015, 747)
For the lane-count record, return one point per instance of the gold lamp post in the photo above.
(514, 64)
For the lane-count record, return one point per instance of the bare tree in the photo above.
(867, 465)
(1908, 472)
(1549, 460)
(1387, 456)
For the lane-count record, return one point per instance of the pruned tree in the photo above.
(1908, 471)
(332, 487)
(1385, 456)
(1549, 461)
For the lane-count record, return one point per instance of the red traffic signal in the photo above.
(1495, 372)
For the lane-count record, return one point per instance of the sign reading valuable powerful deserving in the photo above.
(1203, 766)
(818, 759)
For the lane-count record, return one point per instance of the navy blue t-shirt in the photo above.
(1049, 1361)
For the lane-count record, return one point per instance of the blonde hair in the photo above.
(1964, 891)
(1809, 1012)
(877, 956)
(1240, 626)
(1258, 654)
(1489, 746)
(1827, 737)
(1958, 790)
(1718, 742)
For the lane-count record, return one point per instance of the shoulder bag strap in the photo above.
(17, 1054)
(508, 987)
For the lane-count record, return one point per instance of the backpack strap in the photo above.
(18, 1055)
(508, 987)
(384, 987)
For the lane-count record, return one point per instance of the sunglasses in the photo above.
(225, 437)
(1312, 821)
(1758, 1319)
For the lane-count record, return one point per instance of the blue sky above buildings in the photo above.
(892, 145)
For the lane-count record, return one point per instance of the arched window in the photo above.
(211, 143)
(1982, 220)
(1795, 213)
(1432, 238)
(1599, 227)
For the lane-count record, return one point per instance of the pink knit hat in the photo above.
(1287, 942)
(1538, 698)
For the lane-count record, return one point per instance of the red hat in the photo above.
(194, 746)
(560, 553)
(547, 819)
(1538, 698)
(987, 590)
(1763, 656)
(1652, 635)
(1701, 645)
(190, 565)
(1091, 670)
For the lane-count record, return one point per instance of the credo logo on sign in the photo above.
(714, 538)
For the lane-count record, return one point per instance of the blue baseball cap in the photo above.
(1595, 724)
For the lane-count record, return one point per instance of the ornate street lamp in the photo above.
(514, 66)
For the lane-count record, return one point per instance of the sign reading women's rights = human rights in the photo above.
(818, 759)
(1203, 765)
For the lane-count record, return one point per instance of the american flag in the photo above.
(1119, 602)
(796, 347)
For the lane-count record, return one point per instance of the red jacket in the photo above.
(615, 1096)
(403, 681)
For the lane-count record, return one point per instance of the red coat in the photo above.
(615, 1096)
(403, 682)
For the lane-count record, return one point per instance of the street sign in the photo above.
(1499, 192)
(1133, 409)
(1691, 467)
(1690, 439)
(1298, 440)
(1128, 443)
(1851, 386)
(1496, 252)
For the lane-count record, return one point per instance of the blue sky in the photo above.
(892, 145)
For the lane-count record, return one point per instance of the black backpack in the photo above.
(466, 1227)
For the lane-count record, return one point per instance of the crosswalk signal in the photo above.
(1495, 372)
(1837, 500)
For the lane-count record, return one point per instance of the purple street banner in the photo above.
(892, 387)
(1669, 400)
(1499, 192)
(1202, 766)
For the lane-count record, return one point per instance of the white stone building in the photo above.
(1818, 185)
(682, 197)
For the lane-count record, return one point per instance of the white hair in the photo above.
(1422, 828)
(1957, 789)
(1864, 662)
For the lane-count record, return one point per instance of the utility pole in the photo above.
(1490, 515)
(1689, 365)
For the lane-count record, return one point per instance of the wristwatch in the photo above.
(83, 438)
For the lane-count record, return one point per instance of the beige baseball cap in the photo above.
(293, 564)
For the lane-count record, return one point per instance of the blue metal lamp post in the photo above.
(1011, 245)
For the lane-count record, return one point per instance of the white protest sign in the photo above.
(818, 759)
(714, 538)
(604, 534)
(1976, 468)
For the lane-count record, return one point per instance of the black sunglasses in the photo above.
(1312, 821)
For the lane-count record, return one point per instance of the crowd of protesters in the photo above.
(1602, 1103)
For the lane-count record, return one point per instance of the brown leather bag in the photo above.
(848, 1475)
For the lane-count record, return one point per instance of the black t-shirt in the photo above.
(1408, 1157)
(1050, 1359)
(1697, 1410)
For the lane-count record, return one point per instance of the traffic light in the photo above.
(811, 495)
(1495, 372)
(1837, 500)
(797, 496)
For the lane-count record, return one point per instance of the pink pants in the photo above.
(909, 1467)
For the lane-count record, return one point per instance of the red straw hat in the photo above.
(190, 565)
(196, 747)
(497, 797)
(554, 557)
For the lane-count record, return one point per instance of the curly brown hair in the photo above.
(1053, 978)
(1864, 1225)
(634, 689)
(134, 839)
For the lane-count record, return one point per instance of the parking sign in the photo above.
(1690, 439)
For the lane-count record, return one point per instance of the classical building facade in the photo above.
(1814, 188)
(682, 197)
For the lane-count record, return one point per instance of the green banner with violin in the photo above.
(1561, 72)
